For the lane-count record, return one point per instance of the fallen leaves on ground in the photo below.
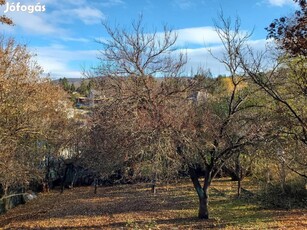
(135, 207)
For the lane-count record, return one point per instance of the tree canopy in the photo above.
(291, 32)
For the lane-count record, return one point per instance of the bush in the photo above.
(293, 196)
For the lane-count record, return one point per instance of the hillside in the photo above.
(75, 81)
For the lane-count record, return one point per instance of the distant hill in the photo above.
(75, 81)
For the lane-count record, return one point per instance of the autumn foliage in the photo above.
(33, 117)
(290, 32)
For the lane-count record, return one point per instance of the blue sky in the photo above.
(63, 36)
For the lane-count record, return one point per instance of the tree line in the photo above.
(83, 89)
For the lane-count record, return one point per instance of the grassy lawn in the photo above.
(134, 207)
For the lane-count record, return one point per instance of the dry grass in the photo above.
(134, 207)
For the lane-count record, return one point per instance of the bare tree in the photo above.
(140, 53)
(137, 101)
(226, 122)
(166, 119)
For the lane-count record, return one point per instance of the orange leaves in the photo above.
(31, 113)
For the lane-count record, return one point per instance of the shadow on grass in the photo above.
(108, 201)
(134, 207)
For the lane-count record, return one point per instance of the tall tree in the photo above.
(84, 88)
(65, 84)
(173, 120)
(32, 117)
(138, 103)
(226, 122)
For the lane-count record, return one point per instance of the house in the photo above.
(91, 100)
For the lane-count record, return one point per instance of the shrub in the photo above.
(294, 195)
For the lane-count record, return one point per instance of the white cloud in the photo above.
(89, 15)
(197, 35)
(183, 4)
(51, 21)
(35, 23)
(110, 3)
(74, 39)
(57, 60)
(201, 36)
(201, 57)
(280, 2)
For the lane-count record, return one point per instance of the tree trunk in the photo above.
(203, 212)
(64, 179)
(239, 188)
(282, 177)
(96, 185)
(239, 175)
(153, 183)
(95, 191)
(267, 179)
(202, 192)
(73, 179)
(5, 199)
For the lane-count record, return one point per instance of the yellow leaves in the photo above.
(228, 83)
